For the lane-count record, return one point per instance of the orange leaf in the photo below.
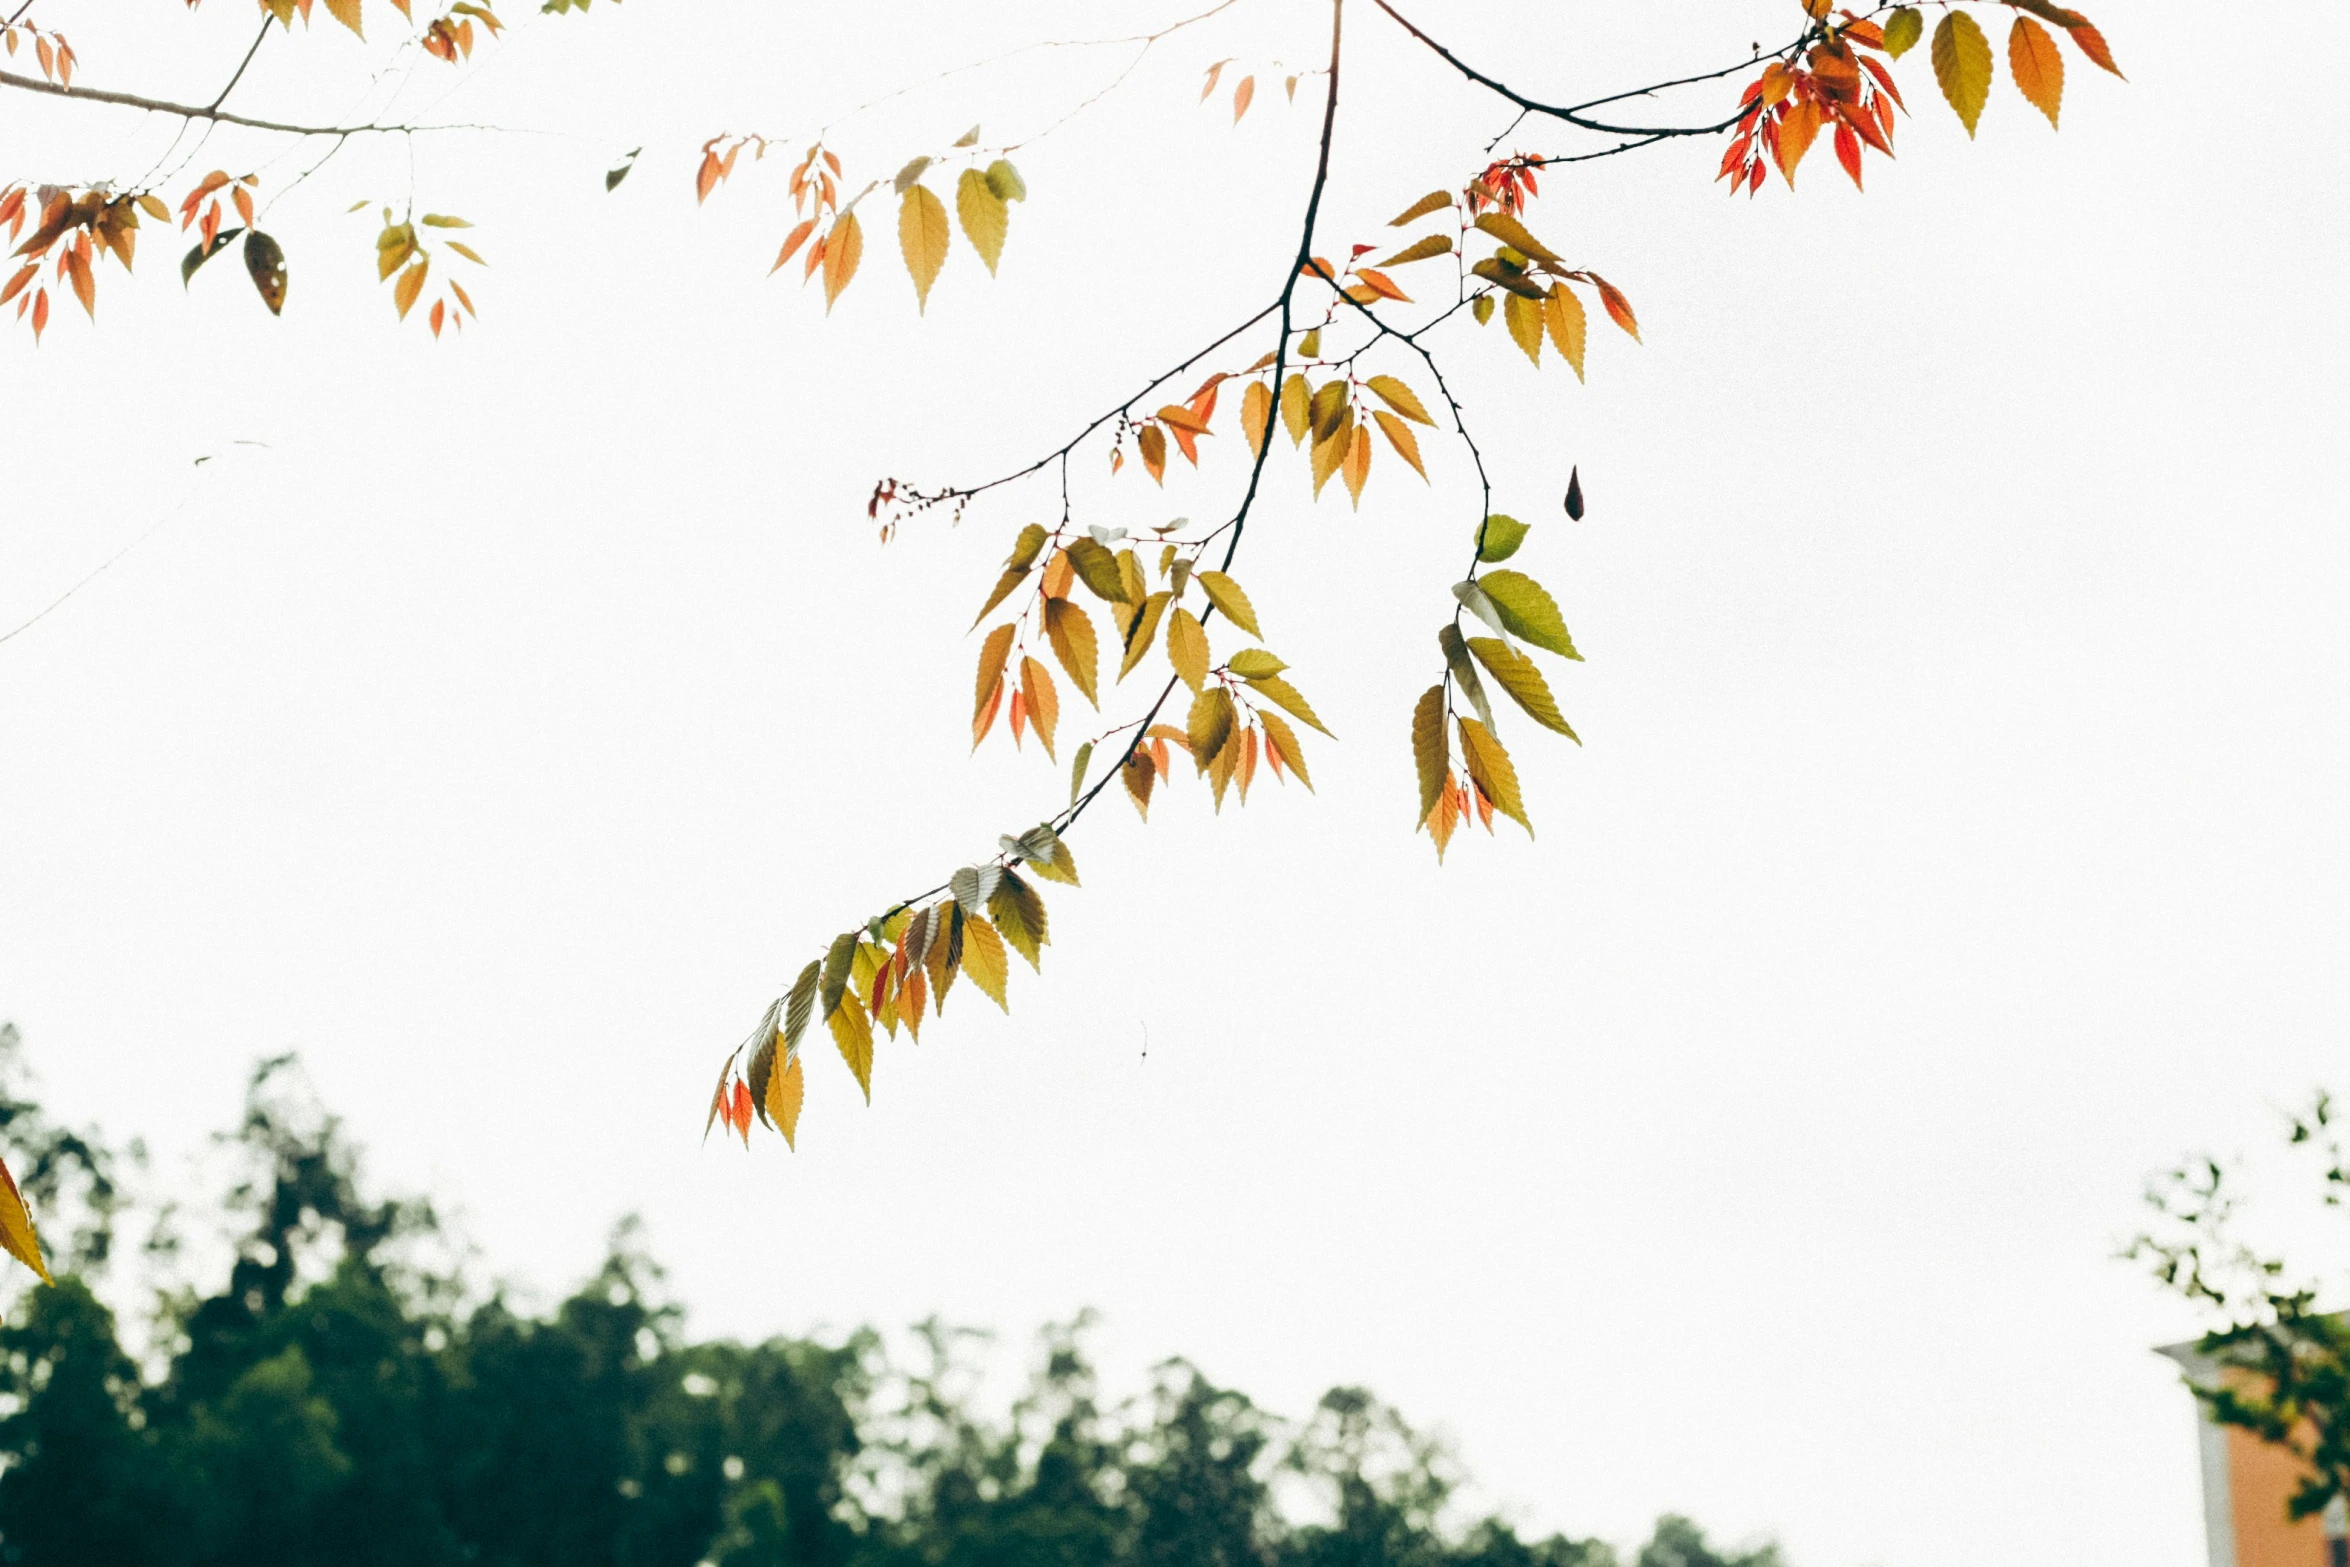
(792, 242)
(1242, 96)
(2038, 68)
(1848, 152)
(1381, 282)
(1619, 309)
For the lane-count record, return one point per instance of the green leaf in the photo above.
(1428, 749)
(199, 254)
(1433, 201)
(1528, 612)
(985, 216)
(836, 970)
(439, 220)
(1006, 182)
(1464, 673)
(1225, 594)
(1254, 664)
(1077, 771)
(1498, 537)
(1902, 31)
(1523, 682)
(1097, 568)
(1286, 695)
(798, 1007)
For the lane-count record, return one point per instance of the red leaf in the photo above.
(1848, 152)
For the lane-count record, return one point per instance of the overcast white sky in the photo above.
(1957, 837)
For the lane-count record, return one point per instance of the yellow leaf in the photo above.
(1902, 30)
(1399, 435)
(1288, 696)
(347, 13)
(992, 655)
(1513, 234)
(985, 960)
(1489, 765)
(1522, 681)
(2038, 68)
(411, 284)
(986, 216)
(1356, 470)
(1225, 594)
(1003, 586)
(1210, 725)
(1329, 455)
(922, 238)
(17, 1235)
(1018, 913)
(1151, 441)
(1431, 202)
(1146, 629)
(1428, 749)
(1187, 648)
(1283, 739)
(1296, 408)
(1524, 318)
(1256, 416)
(785, 1090)
(1962, 65)
(1254, 663)
(1070, 632)
(1098, 569)
(1528, 612)
(1329, 408)
(1044, 702)
(1400, 397)
(1421, 250)
(1562, 314)
(852, 1031)
(844, 247)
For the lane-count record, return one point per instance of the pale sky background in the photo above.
(1957, 837)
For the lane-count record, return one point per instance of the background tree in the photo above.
(1343, 356)
(2283, 1357)
(378, 1408)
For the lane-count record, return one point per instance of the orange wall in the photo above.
(2261, 1478)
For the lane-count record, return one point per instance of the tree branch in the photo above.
(214, 113)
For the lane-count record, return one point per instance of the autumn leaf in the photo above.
(1018, 912)
(1209, 725)
(1357, 467)
(799, 1006)
(410, 285)
(1619, 309)
(1490, 768)
(1242, 97)
(1187, 648)
(1145, 631)
(1255, 664)
(1283, 740)
(1434, 201)
(1512, 233)
(1070, 631)
(1399, 397)
(1151, 441)
(1902, 31)
(852, 1031)
(993, 654)
(1225, 594)
(265, 263)
(347, 13)
(1463, 671)
(1399, 435)
(1518, 676)
(1523, 317)
(985, 960)
(17, 1235)
(922, 238)
(835, 982)
(1425, 248)
(1329, 455)
(1288, 696)
(1428, 751)
(785, 1091)
(1962, 65)
(2038, 68)
(1256, 416)
(1044, 701)
(844, 248)
(1003, 588)
(1528, 612)
(1139, 777)
(1296, 409)
(1097, 568)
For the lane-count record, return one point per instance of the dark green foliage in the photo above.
(336, 1403)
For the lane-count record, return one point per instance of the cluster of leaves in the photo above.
(76, 229)
(2276, 1362)
(403, 259)
(50, 50)
(448, 37)
(1840, 85)
(337, 1397)
(1244, 91)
